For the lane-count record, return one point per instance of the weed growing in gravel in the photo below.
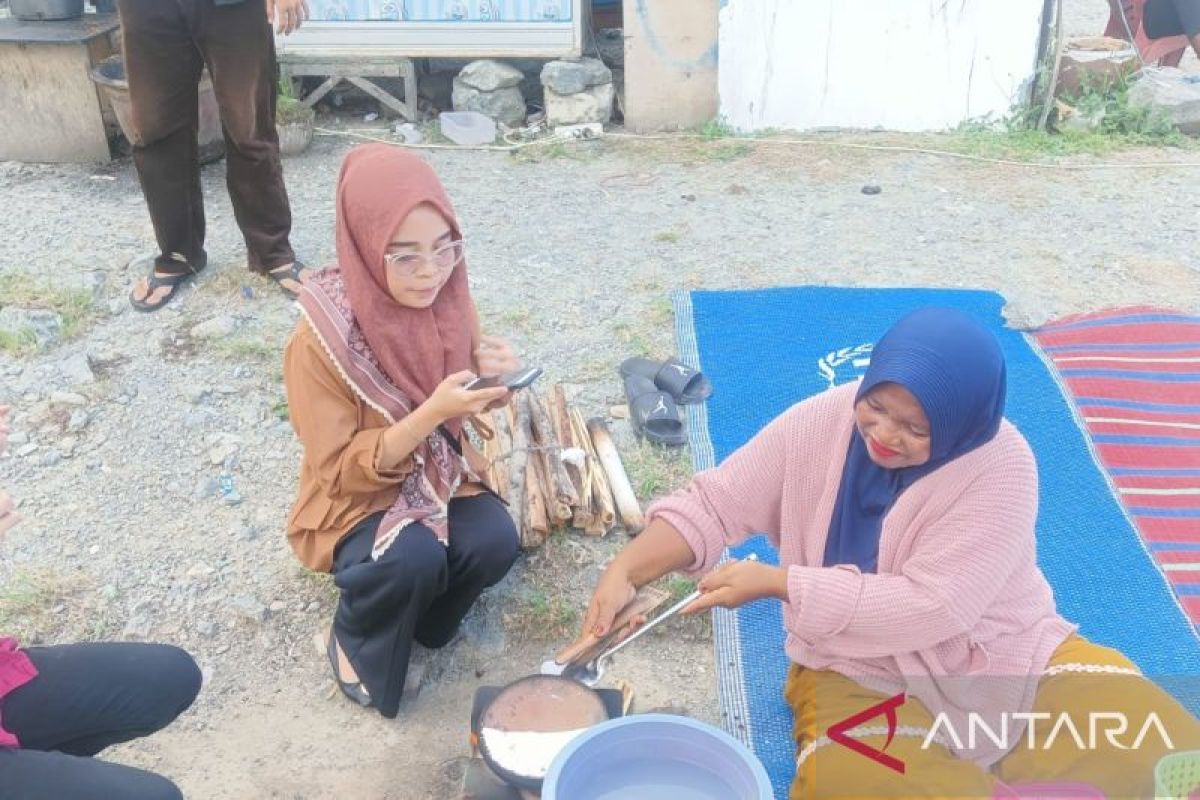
(671, 236)
(41, 605)
(661, 311)
(717, 128)
(247, 349)
(534, 615)
(73, 306)
(655, 471)
(1122, 125)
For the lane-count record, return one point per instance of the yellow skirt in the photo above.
(827, 769)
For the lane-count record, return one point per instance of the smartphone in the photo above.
(512, 381)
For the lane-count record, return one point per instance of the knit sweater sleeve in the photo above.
(958, 567)
(743, 496)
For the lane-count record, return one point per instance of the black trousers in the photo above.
(166, 44)
(85, 698)
(418, 590)
(1163, 18)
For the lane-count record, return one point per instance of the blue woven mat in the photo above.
(766, 349)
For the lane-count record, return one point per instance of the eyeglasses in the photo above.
(444, 258)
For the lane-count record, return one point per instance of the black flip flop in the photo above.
(685, 385)
(653, 413)
(175, 281)
(294, 273)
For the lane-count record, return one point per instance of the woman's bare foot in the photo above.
(290, 277)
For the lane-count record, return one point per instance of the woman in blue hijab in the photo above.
(940, 376)
(903, 509)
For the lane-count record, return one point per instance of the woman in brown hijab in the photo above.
(390, 497)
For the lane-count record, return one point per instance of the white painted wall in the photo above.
(907, 65)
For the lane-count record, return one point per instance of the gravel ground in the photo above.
(123, 434)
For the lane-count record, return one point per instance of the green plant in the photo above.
(535, 615)
(288, 108)
(73, 306)
(717, 128)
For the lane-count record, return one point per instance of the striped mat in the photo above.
(1134, 374)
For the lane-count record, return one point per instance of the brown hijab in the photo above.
(379, 187)
(393, 356)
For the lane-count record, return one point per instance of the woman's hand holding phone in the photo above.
(451, 399)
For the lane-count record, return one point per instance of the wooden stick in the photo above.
(561, 495)
(537, 526)
(622, 492)
(600, 506)
(502, 469)
(497, 452)
(519, 427)
(560, 416)
(585, 514)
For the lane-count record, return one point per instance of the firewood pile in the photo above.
(556, 470)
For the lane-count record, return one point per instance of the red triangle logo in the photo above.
(837, 732)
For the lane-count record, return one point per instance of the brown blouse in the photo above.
(340, 479)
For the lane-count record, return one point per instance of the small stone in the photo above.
(200, 571)
(371, 117)
(619, 412)
(314, 606)
(78, 421)
(488, 75)
(591, 105)
(226, 389)
(278, 606)
(138, 627)
(574, 76)
(215, 328)
(243, 371)
(502, 105)
(250, 608)
(207, 487)
(45, 327)
(18, 438)
(410, 133)
(117, 307)
(206, 628)
(50, 458)
(872, 188)
(68, 399)
(233, 498)
(218, 454)
(67, 445)
(76, 370)
(1171, 92)
(27, 450)
(247, 533)
(198, 394)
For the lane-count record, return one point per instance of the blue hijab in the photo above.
(955, 369)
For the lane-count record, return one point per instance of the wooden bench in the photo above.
(354, 67)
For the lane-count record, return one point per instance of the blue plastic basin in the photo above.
(655, 757)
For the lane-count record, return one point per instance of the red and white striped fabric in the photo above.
(1134, 374)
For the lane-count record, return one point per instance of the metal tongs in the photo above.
(590, 672)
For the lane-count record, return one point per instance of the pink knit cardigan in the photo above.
(959, 615)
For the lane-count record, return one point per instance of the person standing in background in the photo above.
(1165, 18)
(166, 45)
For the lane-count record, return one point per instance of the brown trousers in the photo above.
(167, 43)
